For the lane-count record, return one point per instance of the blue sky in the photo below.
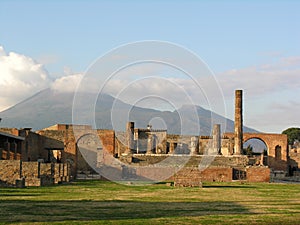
(250, 45)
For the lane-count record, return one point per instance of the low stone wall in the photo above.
(191, 176)
(33, 173)
(294, 159)
(9, 172)
(216, 169)
(192, 161)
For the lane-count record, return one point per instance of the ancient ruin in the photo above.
(55, 154)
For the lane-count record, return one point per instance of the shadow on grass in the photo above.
(229, 186)
(16, 193)
(47, 211)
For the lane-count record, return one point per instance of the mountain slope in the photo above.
(49, 107)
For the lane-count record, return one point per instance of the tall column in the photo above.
(171, 147)
(194, 145)
(238, 122)
(129, 137)
(136, 138)
(217, 139)
(150, 144)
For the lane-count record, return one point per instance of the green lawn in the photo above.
(96, 202)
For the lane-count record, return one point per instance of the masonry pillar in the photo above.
(261, 162)
(129, 137)
(150, 144)
(217, 139)
(136, 139)
(7, 148)
(194, 144)
(238, 122)
(14, 149)
(171, 147)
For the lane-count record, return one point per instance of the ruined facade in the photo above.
(75, 145)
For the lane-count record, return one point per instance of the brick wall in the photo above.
(258, 174)
(107, 138)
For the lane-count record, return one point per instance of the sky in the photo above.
(254, 46)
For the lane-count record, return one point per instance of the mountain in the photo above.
(50, 107)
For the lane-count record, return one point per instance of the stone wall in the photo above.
(34, 148)
(65, 135)
(294, 162)
(13, 131)
(294, 159)
(107, 138)
(33, 173)
(9, 172)
(193, 161)
(190, 176)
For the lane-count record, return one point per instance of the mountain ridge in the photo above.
(49, 107)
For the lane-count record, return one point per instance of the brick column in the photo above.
(238, 122)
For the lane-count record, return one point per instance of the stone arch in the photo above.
(271, 141)
(88, 155)
(258, 158)
(258, 138)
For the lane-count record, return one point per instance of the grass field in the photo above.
(96, 202)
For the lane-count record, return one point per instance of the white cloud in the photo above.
(263, 79)
(278, 116)
(20, 77)
(270, 90)
(67, 83)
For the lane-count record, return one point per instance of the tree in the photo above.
(293, 134)
(248, 151)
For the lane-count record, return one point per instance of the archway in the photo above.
(271, 141)
(257, 151)
(88, 153)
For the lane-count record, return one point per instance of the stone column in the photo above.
(171, 147)
(136, 138)
(129, 137)
(231, 146)
(238, 122)
(194, 144)
(261, 162)
(150, 143)
(217, 139)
